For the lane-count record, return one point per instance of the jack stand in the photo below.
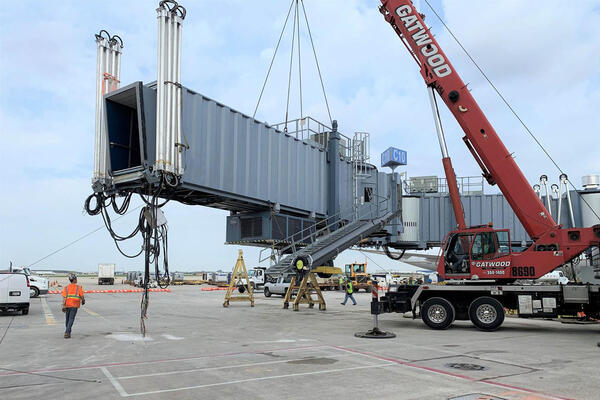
(240, 274)
(375, 333)
(308, 286)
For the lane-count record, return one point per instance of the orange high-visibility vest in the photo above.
(73, 293)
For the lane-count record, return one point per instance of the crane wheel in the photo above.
(486, 313)
(438, 313)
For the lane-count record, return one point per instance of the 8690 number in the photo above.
(523, 271)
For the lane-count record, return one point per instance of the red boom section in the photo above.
(481, 138)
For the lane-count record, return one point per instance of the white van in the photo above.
(14, 292)
(37, 284)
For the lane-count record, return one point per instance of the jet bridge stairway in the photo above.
(327, 247)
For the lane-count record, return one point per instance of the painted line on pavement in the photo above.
(166, 360)
(114, 382)
(219, 368)
(264, 378)
(92, 313)
(447, 373)
(48, 312)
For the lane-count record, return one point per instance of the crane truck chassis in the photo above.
(484, 303)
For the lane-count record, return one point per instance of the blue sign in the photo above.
(393, 157)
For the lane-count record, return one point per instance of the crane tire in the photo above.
(486, 313)
(437, 313)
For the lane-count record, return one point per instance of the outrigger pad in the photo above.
(375, 333)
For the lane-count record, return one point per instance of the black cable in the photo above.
(273, 59)
(124, 206)
(97, 208)
(51, 376)
(317, 62)
(509, 106)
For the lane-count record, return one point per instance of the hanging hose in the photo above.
(388, 253)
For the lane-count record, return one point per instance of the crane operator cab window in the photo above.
(456, 255)
(489, 245)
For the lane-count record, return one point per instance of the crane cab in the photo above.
(476, 253)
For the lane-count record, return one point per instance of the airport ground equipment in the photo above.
(106, 274)
(478, 262)
(357, 273)
(301, 291)
(239, 282)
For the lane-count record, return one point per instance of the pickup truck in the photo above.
(280, 286)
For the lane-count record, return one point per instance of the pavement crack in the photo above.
(7, 327)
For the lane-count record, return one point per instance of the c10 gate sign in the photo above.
(393, 157)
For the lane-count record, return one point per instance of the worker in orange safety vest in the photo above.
(72, 299)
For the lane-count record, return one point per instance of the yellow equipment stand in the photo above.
(308, 286)
(240, 274)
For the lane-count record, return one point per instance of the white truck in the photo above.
(279, 286)
(257, 277)
(106, 274)
(14, 292)
(37, 284)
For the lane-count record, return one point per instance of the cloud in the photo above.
(543, 57)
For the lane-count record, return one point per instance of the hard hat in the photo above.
(72, 277)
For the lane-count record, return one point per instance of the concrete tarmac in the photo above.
(196, 348)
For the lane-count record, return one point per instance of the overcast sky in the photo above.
(543, 55)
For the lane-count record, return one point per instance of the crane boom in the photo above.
(482, 252)
(495, 160)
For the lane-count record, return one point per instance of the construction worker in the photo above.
(72, 299)
(349, 290)
(341, 283)
(301, 268)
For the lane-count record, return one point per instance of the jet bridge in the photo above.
(278, 183)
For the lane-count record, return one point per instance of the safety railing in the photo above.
(343, 217)
(311, 131)
(467, 185)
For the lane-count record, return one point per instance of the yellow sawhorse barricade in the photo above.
(302, 293)
(240, 275)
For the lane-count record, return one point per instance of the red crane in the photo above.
(483, 252)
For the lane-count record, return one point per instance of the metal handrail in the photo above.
(466, 184)
(291, 237)
(301, 130)
(316, 234)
